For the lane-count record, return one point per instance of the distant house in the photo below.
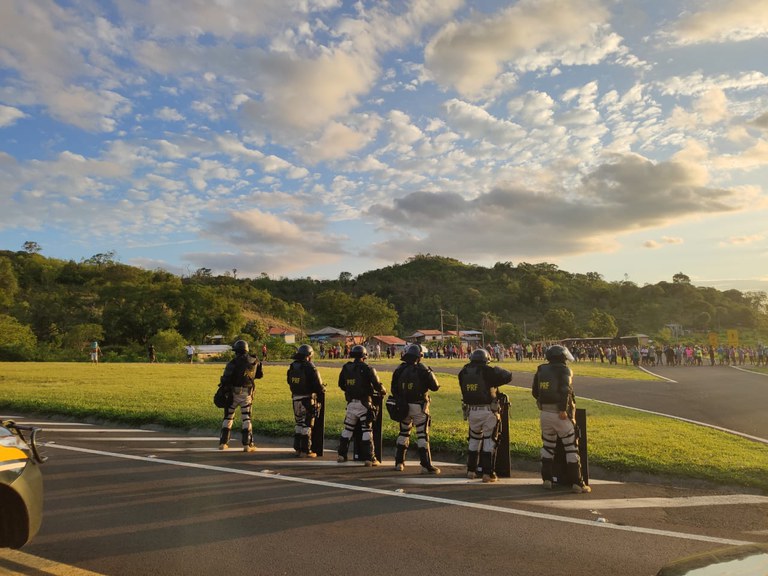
(332, 335)
(285, 335)
(421, 336)
(385, 342)
(203, 351)
(472, 337)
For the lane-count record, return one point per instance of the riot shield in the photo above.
(503, 464)
(318, 430)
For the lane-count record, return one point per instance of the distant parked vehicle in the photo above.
(21, 484)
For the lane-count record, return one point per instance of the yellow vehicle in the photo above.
(21, 484)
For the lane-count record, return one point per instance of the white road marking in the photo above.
(419, 497)
(616, 503)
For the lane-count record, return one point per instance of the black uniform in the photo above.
(360, 383)
(307, 391)
(479, 385)
(412, 382)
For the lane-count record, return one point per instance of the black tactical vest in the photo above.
(474, 389)
(357, 381)
(554, 383)
(297, 379)
(410, 385)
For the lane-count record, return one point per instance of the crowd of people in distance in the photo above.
(646, 355)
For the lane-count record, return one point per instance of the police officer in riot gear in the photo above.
(479, 385)
(412, 381)
(239, 375)
(307, 389)
(553, 390)
(360, 383)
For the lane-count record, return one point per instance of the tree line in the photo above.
(52, 309)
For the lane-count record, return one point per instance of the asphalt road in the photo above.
(122, 501)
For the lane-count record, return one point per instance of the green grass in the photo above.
(180, 396)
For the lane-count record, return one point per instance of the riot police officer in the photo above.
(307, 391)
(412, 382)
(553, 390)
(360, 383)
(479, 385)
(239, 375)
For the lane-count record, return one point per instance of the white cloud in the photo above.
(530, 35)
(628, 194)
(725, 21)
(9, 115)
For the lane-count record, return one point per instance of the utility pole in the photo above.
(441, 325)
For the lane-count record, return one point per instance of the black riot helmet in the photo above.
(358, 351)
(557, 353)
(413, 352)
(240, 347)
(305, 351)
(480, 355)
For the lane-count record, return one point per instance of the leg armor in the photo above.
(486, 463)
(224, 438)
(426, 462)
(400, 457)
(472, 464)
(343, 449)
(574, 477)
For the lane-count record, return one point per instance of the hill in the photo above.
(53, 308)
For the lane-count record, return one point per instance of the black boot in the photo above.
(486, 463)
(546, 472)
(224, 439)
(368, 453)
(472, 464)
(343, 449)
(297, 444)
(306, 451)
(402, 449)
(426, 462)
(248, 445)
(574, 477)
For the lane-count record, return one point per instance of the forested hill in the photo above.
(54, 307)
(533, 300)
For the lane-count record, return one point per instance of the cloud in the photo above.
(169, 114)
(629, 194)
(655, 244)
(530, 35)
(726, 21)
(743, 240)
(9, 115)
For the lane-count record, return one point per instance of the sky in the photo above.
(306, 138)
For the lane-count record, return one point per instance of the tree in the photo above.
(602, 324)
(680, 278)
(17, 341)
(372, 316)
(559, 323)
(169, 343)
(102, 259)
(334, 308)
(78, 337)
(32, 247)
(9, 285)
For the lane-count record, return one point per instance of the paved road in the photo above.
(723, 396)
(121, 501)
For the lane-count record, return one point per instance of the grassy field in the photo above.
(179, 396)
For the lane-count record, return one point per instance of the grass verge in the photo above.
(180, 396)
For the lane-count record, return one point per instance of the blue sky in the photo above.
(312, 137)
